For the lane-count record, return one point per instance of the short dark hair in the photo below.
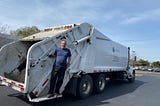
(64, 41)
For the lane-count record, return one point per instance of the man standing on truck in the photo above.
(62, 57)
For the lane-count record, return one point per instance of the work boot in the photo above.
(51, 95)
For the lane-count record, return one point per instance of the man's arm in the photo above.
(69, 57)
(52, 54)
(69, 60)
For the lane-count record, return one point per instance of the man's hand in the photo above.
(51, 56)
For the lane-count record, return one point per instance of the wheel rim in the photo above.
(101, 84)
(86, 87)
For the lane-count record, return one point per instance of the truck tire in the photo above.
(132, 79)
(99, 83)
(85, 87)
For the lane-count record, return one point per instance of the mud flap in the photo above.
(71, 87)
(130, 72)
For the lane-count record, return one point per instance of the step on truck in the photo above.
(26, 67)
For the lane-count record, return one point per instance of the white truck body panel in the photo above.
(5, 38)
(92, 52)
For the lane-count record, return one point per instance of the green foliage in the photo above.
(156, 64)
(26, 31)
(142, 62)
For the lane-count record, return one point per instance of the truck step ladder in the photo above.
(40, 99)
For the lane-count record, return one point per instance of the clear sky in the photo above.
(134, 23)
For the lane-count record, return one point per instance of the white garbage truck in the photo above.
(26, 67)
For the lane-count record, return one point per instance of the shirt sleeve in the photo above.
(69, 53)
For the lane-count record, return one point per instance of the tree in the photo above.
(142, 62)
(3, 28)
(26, 31)
(156, 64)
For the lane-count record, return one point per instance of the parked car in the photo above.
(150, 69)
(156, 69)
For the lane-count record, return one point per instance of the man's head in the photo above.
(63, 43)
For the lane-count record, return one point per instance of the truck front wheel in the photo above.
(85, 87)
(132, 79)
(99, 83)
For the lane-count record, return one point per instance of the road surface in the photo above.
(144, 92)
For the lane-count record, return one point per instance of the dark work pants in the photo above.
(57, 77)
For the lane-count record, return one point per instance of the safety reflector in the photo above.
(44, 83)
(4, 79)
(35, 92)
(20, 85)
(13, 83)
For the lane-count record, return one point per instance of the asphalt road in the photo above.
(144, 92)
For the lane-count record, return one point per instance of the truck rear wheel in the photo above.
(132, 79)
(99, 83)
(85, 87)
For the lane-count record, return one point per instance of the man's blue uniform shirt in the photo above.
(61, 56)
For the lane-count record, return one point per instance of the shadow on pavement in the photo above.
(113, 89)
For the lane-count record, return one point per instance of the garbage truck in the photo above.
(26, 67)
